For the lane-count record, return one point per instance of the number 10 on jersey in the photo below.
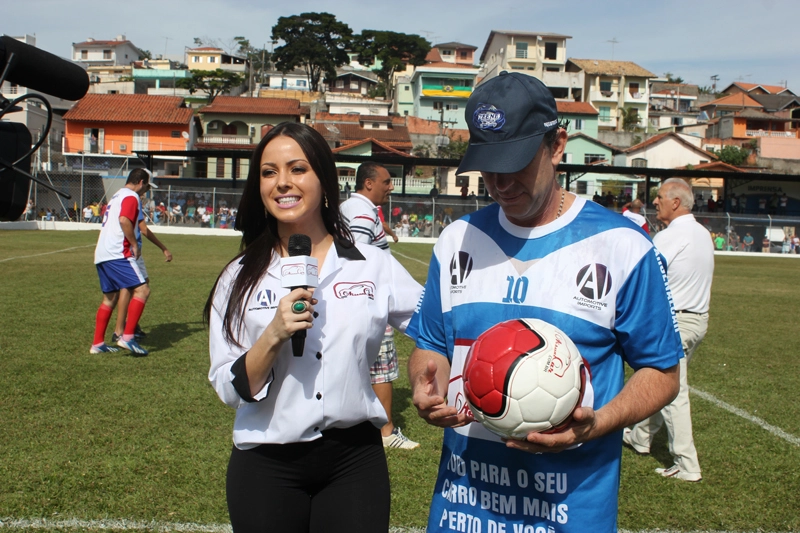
(517, 290)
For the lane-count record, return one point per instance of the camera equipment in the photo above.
(36, 69)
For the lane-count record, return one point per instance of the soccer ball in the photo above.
(523, 376)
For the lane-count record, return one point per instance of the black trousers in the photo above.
(337, 483)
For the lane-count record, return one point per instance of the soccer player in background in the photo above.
(115, 258)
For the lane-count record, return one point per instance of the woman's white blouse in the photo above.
(360, 290)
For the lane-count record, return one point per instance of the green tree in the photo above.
(672, 79)
(145, 54)
(733, 155)
(315, 42)
(630, 118)
(394, 51)
(211, 82)
(258, 59)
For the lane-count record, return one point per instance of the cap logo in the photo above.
(551, 123)
(488, 117)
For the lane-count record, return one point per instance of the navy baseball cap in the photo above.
(508, 117)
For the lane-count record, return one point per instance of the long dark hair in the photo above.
(260, 231)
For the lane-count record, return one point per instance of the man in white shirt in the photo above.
(360, 211)
(689, 252)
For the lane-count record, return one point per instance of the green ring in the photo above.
(299, 307)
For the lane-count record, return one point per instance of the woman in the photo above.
(307, 452)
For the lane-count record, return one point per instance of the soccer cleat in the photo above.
(103, 348)
(626, 438)
(139, 333)
(114, 337)
(675, 472)
(398, 440)
(133, 346)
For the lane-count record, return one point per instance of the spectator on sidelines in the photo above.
(690, 270)
(177, 213)
(307, 453)
(633, 211)
(115, 258)
(361, 212)
(553, 248)
(87, 213)
(30, 210)
(747, 241)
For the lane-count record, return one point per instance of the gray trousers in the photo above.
(677, 415)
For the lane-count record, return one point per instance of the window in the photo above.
(577, 124)
(212, 59)
(113, 91)
(340, 84)
(677, 121)
(106, 54)
(438, 105)
(405, 112)
(406, 88)
(84, 54)
(354, 85)
(447, 52)
(550, 50)
(580, 187)
(605, 114)
(552, 69)
(195, 59)
(376, 126)
(452, 107)
(605, 86)
(139, 140)
(175, 134)
(633, 88)
(517, 68)
(566, 158)
(639, 162)
(588, 159)
(522, 50)
(464, 54)
(481, 186)
(220, 167)
(300, 83)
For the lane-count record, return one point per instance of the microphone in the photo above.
(299, 270)
(42, 71)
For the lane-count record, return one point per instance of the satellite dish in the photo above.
(331, 128)
(185, 134)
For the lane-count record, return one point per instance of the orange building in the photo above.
(123, 124)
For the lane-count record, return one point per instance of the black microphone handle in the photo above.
(298, 337)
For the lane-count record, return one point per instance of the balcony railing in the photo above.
(226, 139)
(635, 98)
(603, 96)
(763, 133)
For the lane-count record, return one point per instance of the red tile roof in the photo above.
(336, 118)
(253, 106)
(374, 141)
(738, 99)
(423, 126)
(714, 165)
(445, 64)
(433, 56)
(771, 89)
(396, 137)
(661, 136)
(132, 108)
(576, 108)
(100, 43)
(206, 49)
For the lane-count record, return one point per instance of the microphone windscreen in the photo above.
(299, 244)
(42, 71)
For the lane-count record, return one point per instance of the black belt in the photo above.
(690, 312)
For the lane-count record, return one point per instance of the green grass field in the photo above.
(105, 437)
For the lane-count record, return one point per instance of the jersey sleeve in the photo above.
(405, 295)
(226, 359)
(427, 326)
(646, 326)
(130, 209)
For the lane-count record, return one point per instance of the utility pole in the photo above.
(613, 42)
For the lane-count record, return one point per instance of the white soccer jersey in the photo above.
(112, 244)
(599, 279)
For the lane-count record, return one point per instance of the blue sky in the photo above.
(753, 41)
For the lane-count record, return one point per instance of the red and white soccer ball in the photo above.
(523, 376)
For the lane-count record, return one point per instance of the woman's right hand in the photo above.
(286, 321)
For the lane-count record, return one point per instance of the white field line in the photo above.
(165, 527)
(426, 263)
(45, 253)
(778, 432)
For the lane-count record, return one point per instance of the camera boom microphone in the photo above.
(42, 71)
(299, 270)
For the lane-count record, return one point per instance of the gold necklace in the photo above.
(561, 205)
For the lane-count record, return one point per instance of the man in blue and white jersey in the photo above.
(538, 252)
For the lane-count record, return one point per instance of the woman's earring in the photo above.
(326, 201)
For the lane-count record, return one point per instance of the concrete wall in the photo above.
(778, 148)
